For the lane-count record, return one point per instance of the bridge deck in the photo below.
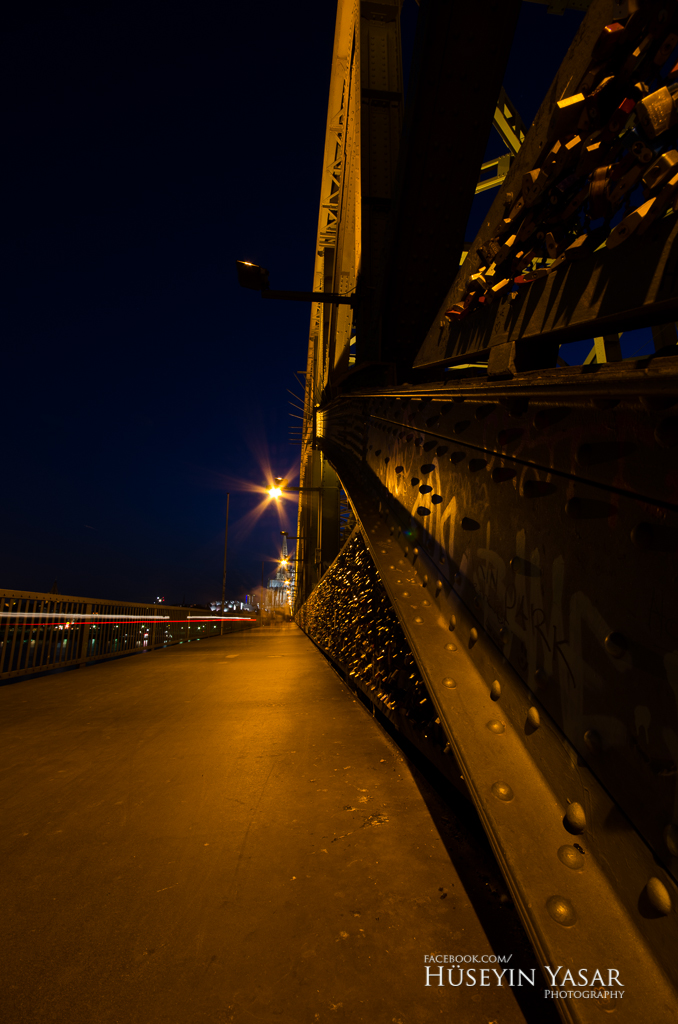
(220, 832)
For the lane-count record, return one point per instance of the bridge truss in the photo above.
(489, 549)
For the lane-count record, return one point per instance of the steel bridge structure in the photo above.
(488, 535)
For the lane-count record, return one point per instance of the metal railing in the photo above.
(43, 632)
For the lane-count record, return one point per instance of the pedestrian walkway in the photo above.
(220, 832)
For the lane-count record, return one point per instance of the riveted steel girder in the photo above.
(533, 678)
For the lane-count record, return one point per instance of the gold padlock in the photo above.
(661, 170)
(657, 112)
(629, 224)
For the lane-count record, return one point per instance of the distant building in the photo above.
(231, 606)
(281, 586)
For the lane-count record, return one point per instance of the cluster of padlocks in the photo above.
(350, 617)
(609, 168)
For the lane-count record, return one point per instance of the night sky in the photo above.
(149, 146)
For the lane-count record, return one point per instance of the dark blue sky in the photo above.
(149, 146)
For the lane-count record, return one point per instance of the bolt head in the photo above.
(502, 791)
(562, 911)
(495, 726)
(658, 895)
(593, 741)
(616, 644)
(575, 817)
(571, 857)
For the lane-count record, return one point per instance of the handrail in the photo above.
(44, 632)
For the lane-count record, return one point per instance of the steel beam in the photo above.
(631, 279)
(445, 133)
(576, 876)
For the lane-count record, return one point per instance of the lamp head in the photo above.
(252, 276)
(277, 487)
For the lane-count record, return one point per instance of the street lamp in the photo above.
(256, 278)
(279, 485)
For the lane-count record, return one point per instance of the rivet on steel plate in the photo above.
(450, 683)
(450, 647)
(575, 817)
(406, 549)
(494, 725)
(502, 791)
(458, 578)
(426, 604)
(418, 620)
(571, 857)
(439, 586)
(415, 552)
(658, 895)
(448, 748)
(562, 911)
(616, 644)
(593, 741)
(424, 581)
(473, 637)
(533, 718)
(406, 593)
(495, 690)
(453, 623)
(671, 839)
(504, 634)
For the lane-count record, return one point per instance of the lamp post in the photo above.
(223, 578)
(252, 276)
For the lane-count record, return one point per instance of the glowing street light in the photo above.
(275, 490)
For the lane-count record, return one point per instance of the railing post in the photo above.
(84, 638)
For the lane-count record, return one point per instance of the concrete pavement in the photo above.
(220, 832)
